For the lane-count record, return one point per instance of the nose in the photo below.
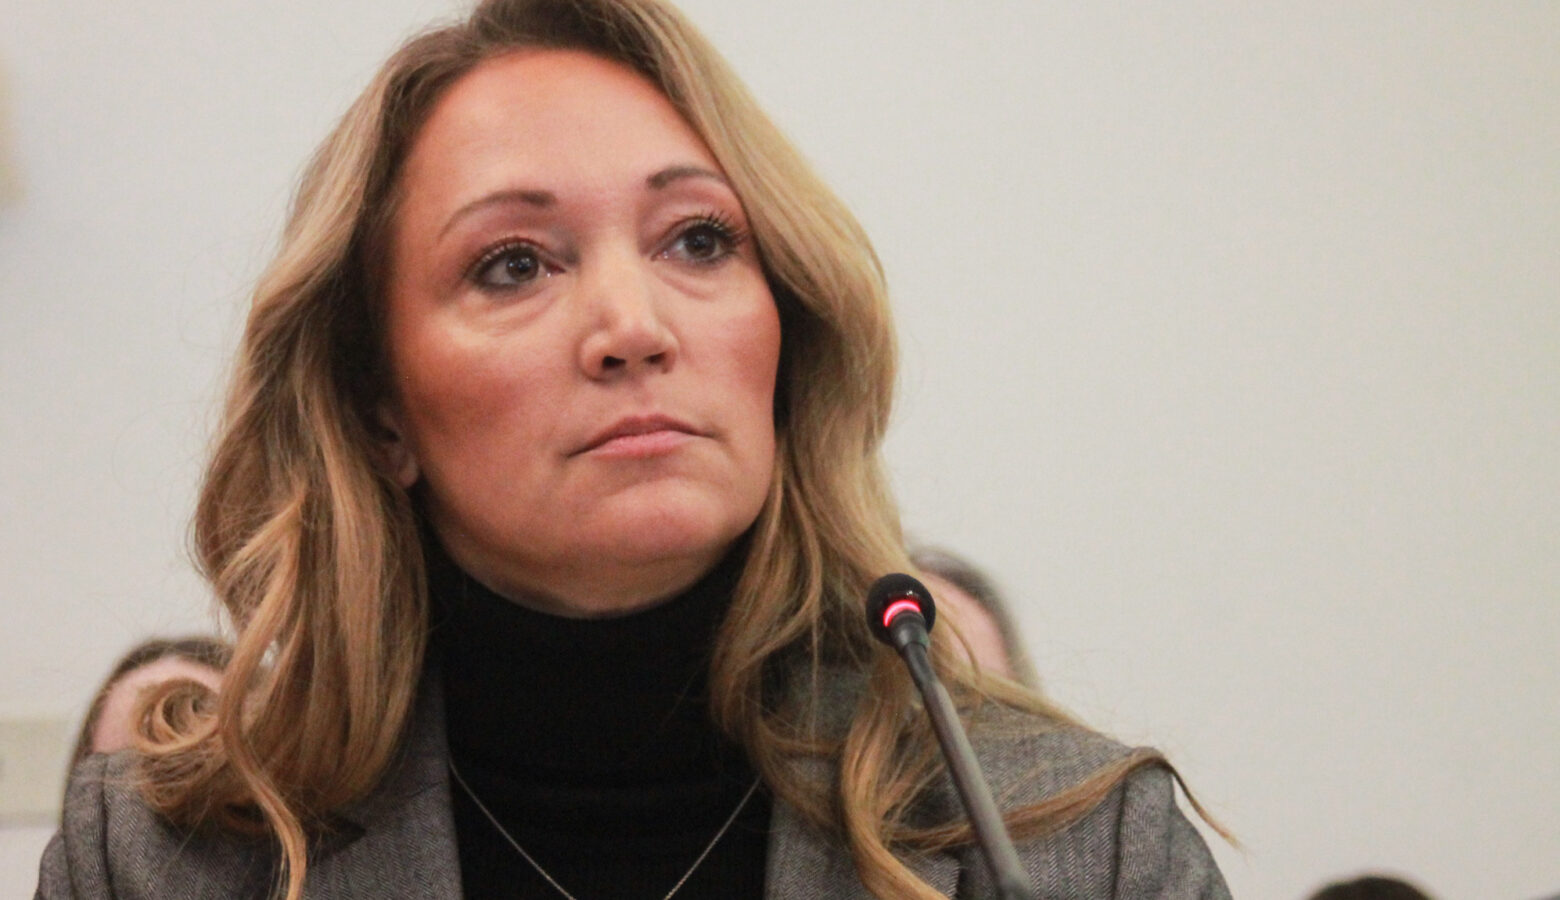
(626, 327)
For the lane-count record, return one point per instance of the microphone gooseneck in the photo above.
(901, 612)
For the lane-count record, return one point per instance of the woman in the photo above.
(546, 498)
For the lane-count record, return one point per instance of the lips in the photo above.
(643, 433)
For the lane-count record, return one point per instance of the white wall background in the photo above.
(1232, 341)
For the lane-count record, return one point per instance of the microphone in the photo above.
(901, 612)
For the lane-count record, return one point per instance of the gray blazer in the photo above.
(400, 841)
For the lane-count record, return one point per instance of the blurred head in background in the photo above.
(108, 726)
(1370, 887)
(983, 616)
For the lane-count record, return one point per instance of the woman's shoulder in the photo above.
(1040, 754)
(1132, 840)
(112, 844)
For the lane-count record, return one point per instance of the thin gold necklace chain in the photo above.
(554, 882)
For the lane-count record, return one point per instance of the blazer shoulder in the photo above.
(112, 845)
(1158, 852)
(1135, 843)
(1029, 757)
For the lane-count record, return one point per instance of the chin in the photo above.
(696, 528)
(668, 540)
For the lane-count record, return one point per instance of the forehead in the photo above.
(564, 117)
(164, 668)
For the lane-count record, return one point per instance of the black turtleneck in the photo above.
(590, 740)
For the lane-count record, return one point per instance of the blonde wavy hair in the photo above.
(315, 553)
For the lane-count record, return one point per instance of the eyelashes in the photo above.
(508, 266)
(702, 241)
(707, 239)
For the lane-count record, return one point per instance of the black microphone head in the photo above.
(884, 601)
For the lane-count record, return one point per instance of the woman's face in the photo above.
(582, 342)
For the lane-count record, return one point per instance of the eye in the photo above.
(508, 266)
(706, 240)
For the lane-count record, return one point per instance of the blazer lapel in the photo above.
(805, 864)
(400, 841)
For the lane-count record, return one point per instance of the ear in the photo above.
(396, 458)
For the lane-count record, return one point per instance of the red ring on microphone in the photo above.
(903, 604)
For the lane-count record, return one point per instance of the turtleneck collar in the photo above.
(581, 701)
(590, 741)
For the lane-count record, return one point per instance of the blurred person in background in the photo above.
(1370, 887)
(193, 664)
(983, 615)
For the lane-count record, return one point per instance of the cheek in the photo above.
(456, 395)
(755, 354)
(757, 360)
(437, 388)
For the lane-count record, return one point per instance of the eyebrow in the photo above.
(544, 199)
(526, 196)
(677, 173)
